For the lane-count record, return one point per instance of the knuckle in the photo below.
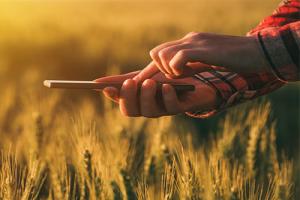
(191, 36)
(188, 43)
(182, 53)
(152, 53)
(196, 36)
(191, 33)
(202, 37)
(162, 54)
(199, 35)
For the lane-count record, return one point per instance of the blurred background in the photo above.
(83, 40)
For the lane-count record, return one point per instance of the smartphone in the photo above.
(70, 84)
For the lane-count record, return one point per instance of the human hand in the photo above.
(198, 52)
(146, 103)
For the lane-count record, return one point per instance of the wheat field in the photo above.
(64, 145)
(103, 156)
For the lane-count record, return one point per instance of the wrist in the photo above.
(241, 54)
(257, 62)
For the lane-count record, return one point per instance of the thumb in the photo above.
(191, 69)
(111, 93)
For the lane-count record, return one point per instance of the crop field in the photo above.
(65, 145)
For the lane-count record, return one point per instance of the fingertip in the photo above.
(109, 89)
(148, 83)
(110, 92)
(128, 99)
(145, 82)
(151, 53)
(150, 70)
(167, 89)
(156, 59)
(128, 83)
(177, 71)
(128, 87)
(176, 68)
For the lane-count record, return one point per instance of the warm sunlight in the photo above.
(76, 144)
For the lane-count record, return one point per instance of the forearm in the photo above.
(281, 47)
(272, 47)
(277, 37)
(239, 54)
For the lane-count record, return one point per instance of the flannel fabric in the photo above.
(278, 36)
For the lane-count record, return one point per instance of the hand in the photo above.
(147, 105)
(198, 52)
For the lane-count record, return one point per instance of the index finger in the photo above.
(149, 71)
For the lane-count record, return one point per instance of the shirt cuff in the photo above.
(281, 46)
(233, 88)
(230, 87)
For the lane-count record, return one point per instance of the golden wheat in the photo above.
(65, 145)
(87, 158)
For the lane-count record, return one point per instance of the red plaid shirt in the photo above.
(279, 39)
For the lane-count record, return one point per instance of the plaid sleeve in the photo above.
(279, 39)
(278, 36)
(233, 89)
